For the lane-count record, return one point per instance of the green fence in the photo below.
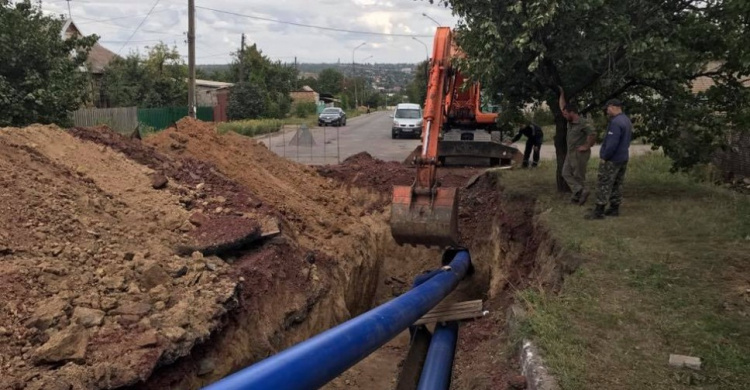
(161, 118)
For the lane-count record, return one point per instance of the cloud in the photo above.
(217, 33)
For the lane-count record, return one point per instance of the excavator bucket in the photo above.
(429, 220)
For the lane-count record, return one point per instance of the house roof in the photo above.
(99, 56)
(212, 84)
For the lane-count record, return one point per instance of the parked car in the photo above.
(407, 121)
(332, 116)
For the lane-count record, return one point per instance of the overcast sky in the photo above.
(218, 33)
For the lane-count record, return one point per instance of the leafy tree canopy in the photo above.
(648, 53)
(42, 76)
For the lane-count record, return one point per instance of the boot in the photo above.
(596, 213)
(584, 197)
(613, 210)
(576, 198)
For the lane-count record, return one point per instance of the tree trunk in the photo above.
(561, 146)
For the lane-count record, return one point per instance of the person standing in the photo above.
(614, 155)
(580, 139)
(534, 138)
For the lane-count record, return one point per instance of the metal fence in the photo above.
(120, 119)
(163, 117)
(314, 146)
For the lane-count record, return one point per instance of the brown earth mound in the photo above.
(318, 212)
(93, 296)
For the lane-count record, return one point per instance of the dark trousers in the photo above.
(530, 144)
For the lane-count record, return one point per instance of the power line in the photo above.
(314, 26)
(139, 25)
(89, 20)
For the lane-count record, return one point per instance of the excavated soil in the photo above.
(172, 262)
(93, 294)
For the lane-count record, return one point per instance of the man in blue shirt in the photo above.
(614, 155)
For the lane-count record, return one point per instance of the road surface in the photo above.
(366, 133)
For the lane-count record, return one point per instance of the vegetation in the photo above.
(305, 109)
(417, 88)
(158, 80)
(40, 74)
(252, 128)
(646, 53)
(665, 277)
(247, 100)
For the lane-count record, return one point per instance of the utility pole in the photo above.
(69, 14)
(191, 58)
(296, 79)
(242, 58)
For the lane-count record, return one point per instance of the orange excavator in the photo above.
(453, 127)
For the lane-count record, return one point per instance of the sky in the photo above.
(396, 27)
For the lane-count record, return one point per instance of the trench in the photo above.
(278, 306)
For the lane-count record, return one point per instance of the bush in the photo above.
(541, 116)
(252, 127)
(246, 101)
(304, 109)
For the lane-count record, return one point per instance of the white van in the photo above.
(407, 121)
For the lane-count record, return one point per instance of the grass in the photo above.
(670, 275)
(254, 127)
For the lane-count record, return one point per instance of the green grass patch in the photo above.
(252, 127)
(670, 275)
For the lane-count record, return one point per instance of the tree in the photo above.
(417, 88)
(275, 78)
(41, 77)
(158, 80)
(247, 100)
(644, 52)
(330, 81)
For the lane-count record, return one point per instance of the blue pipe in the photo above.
(436, 374)
(318, 360)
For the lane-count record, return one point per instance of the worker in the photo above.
(613, 163)
(580, 139)
(534, 137)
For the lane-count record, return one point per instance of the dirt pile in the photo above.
(93, 294)
(318, 212)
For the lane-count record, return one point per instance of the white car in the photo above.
(407, 121)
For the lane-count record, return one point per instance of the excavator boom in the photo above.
(424, 213)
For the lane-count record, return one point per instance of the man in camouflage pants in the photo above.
(614, 155)
(580, 139)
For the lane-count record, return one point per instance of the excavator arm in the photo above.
(424, 213)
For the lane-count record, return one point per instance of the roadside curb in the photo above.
(532, 364)
(533, 368)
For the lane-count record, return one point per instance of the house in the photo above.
(213, 94)
(304, 95)
(98, 59)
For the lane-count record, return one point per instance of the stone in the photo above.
(153, 276)
(180, 271)
(211, 266)
(197, 255)
(128, 256)
(87, 317)
(206, 366)
(685, 361)
(4, 331)
(113, 282)
(198, 218)
(127, 320)
(174, 333)
(517, 382)
(47, 313)
(148, 338)
(158, 181)
(132, 308)
(64, 346)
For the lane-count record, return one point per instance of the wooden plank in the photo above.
(453, 312)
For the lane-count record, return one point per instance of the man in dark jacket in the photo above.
(614, 155)
(534, 137)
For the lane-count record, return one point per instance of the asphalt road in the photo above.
(366, 133)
